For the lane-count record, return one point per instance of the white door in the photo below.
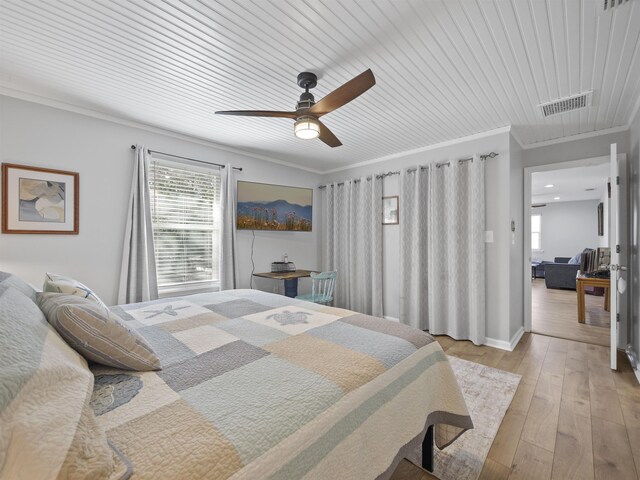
(614, 244)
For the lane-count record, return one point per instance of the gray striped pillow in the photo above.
(96, 333)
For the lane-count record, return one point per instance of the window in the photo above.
(536, 232)
(185, 211)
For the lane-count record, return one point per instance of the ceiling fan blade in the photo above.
(258, 113)
(344, 94)
(327, 136)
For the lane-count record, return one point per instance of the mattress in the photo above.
(256, 385)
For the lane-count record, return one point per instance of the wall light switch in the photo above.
(488, 236)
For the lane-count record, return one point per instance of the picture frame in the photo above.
(601, 219)
(39, 200)
(390, 210)
(266, 206)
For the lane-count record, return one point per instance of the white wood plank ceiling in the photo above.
(444, 69)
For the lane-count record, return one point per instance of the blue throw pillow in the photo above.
(575, 260)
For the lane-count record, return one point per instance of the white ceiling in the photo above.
(570, 184)
(444, 69)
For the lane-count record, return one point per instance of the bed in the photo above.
(257, 385)
(253, 385)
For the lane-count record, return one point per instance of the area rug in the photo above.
(488, 393)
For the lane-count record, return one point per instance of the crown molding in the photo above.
(634, 113)
(30, 97)
(580, 136)
(433, 146)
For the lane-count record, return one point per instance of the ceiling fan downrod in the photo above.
(306, 80)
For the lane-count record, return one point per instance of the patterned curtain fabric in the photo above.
(138, 281)
(456, 260)
(353, 243)
(228, 257)
(414, 241)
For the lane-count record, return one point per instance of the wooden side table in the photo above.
(583, 281)
(290, 279)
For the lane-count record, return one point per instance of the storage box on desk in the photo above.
(280, 267)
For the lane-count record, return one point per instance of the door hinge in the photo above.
(617, 248)
(617, 180)
(617, 317)
(609, 189)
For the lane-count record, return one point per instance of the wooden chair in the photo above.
(321, 289)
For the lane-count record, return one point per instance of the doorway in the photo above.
(566, 214)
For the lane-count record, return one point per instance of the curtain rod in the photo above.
(133, 147)
(438, 165)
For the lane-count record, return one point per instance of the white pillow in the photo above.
(61, 284)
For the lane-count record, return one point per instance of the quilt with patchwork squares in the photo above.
(256, 385)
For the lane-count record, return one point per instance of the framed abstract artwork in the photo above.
(39, 200)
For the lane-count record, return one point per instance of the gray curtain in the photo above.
(353, 243)
(138, 281)
(442, 250)
(414, 241)
(457, 251)
(228, 254)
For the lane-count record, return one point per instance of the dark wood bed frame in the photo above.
(427, 450)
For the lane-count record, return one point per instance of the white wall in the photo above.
(99, 150)
(567, 228)
(497, 220)
(516, 251)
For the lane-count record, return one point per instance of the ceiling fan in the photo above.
(307, 124)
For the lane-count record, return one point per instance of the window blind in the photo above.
(185, 212)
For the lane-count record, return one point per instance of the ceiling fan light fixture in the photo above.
(307, 128)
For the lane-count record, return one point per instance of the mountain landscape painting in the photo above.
(262, 206)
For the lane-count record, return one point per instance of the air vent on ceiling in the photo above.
(589, 189)
(566, 104)
(609, 4)
(538, 205)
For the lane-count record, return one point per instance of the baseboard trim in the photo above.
(636, 371)
(393, 319)
(503, 344)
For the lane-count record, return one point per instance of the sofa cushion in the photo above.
(575, 260)
(561, 259)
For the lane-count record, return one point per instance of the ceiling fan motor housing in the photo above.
(306, 100)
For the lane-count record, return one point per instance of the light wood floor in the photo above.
(571, 418)
(554, 312)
